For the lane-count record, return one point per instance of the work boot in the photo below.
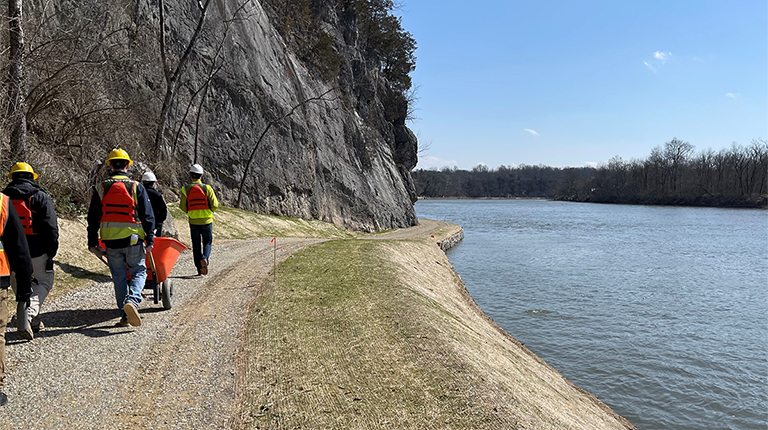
(3, 399)
(123, 322)
(36, 324)
(27, 334)
(132, 314)
(204, 266)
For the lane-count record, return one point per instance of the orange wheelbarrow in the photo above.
(159, 263)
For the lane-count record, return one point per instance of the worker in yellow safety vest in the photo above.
(199, 202)
(121, 215)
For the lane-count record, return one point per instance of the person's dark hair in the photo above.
(195, 176)
(119, 164)
(23, 175)
(148, 184)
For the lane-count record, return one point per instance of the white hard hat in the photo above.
(197, 169)
(148, 176)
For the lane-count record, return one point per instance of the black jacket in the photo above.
(158, 205)
(145, 215)
(44, 221)
(15, 244)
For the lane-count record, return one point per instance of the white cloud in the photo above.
(662, 56)
(659, 59)
(591, 164)
(430, 162)
(732, 95)
(533, 132)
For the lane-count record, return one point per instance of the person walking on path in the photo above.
(41, 228)
(199, 202)
(14, 257)
(159, 208)
(120, 213)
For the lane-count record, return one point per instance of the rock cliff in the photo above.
(336, 145)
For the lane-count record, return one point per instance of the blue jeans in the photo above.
(121, 262)
(202, 237)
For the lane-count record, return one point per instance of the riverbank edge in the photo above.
(449, 237)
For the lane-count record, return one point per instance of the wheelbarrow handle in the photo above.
(100, 254)
(151, 261)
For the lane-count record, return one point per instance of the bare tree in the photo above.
(16, 105)
(172, 76)
(214, 69)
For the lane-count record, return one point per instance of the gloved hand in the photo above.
(97, 251)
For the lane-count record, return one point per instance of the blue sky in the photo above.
(571, 83)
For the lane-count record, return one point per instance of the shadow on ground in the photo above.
(81, 273)
(88, 322)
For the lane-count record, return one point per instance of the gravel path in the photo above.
(425, 228)
(174, 371)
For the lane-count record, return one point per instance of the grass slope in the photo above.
(381, 334)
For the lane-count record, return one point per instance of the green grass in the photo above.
(339, 322)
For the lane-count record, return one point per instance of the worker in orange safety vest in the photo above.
(14, 257)
(199, 202)
(41, 229)
(121, 215)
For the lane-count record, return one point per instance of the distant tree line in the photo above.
(672, 175)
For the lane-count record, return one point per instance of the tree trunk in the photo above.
(16, 106)
(172, 77)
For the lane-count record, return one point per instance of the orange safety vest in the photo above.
(5, 266)
(25, 215)
(119, 209)
(197, 200)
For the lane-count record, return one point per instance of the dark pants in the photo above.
(202, 236)
(158, 229)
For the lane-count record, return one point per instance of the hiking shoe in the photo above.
(122, 323)
(204, 267)
(132, 314)
(26, 334)
(3, 399)
(36, 324)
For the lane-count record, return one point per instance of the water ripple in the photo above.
(661, 312)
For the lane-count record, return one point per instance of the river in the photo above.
(661, 312)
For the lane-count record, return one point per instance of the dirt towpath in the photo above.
(424, 229)
(174, 371)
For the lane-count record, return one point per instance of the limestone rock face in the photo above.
(343, 157)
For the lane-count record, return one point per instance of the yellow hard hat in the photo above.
(119, 154)
(22, 167)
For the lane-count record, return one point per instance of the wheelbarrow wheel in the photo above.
(167, 294)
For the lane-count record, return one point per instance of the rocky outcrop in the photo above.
(345, 157)
(336, 146)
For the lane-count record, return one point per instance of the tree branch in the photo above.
(264, 133)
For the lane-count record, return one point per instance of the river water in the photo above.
(661, 312)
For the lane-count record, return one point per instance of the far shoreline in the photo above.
(756, 206)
